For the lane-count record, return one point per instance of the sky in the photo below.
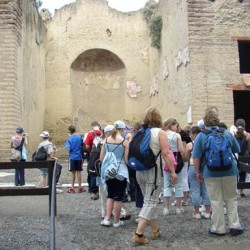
(121, 5)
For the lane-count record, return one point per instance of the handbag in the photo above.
(16, 153)
(179, 161)
(166, 168)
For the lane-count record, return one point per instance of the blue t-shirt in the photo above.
(74, 145)
(199, 149)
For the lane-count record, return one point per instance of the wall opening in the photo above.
(98, 87)
(241, 106)
(244, 55)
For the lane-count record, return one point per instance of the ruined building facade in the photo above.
(91, 62)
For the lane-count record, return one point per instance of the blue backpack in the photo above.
(141, 156)
(218, 151)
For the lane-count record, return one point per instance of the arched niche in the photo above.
(98, 87)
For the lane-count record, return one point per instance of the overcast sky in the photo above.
(122, 5)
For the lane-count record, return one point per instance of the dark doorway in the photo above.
(244, 54)
(242, 106)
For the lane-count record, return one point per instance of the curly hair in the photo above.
(153, 118)
(211, 118)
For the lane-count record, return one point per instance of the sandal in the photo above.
(71, 191)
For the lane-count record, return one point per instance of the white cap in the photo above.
(108, 128)
(44, 134)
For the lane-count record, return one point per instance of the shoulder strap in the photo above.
(20, 146)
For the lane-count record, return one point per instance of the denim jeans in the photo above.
(19, 177)
(167, 191)
(93, 188)
(198, 190)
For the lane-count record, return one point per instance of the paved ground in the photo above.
(25, 224)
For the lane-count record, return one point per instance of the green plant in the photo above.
(155, 31)
(149, 10)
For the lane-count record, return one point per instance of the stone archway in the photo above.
(98, 87)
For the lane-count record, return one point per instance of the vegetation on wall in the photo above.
(149, 10)
(155, 23)
(155, 32)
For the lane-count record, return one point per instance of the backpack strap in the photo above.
(156, 172)
(20, 147)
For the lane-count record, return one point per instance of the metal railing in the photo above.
(23, 191)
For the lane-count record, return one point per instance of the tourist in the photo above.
(243, 139)
(221, 185)
(20, 140)
(146, 179)
(48, 146)
(198, 189)
(74, 146)
(88, 143)
(174, 139)
(115, 187)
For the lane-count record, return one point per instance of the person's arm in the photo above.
(197, 154)
(102, 154)
(165, 152)
(126, 146)
(248, 143)
(188, 150)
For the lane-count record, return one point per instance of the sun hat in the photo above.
(119, 125)
(19, 130)
(108, 128)
(44, 134)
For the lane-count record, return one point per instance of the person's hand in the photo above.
(173, 178)
(199, 177)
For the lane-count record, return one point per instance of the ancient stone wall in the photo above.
(22, 74)
(97, 67)
(213, 55)
(170, 65)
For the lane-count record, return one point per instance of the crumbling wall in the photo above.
(83, 37)
(170, 65)
(22, 74)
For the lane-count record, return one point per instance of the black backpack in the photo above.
(94, 158)
(40, 154)
(243, 145)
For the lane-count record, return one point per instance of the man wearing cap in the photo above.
(17, 140)
(48, 146)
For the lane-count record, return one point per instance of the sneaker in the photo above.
(125, 217)
(94, 196)
(242, 195)
(139, 240)
(197, 216)
(206, 215)
(81, 190)
(165, 211)
(212, 231)
(156, 235)
(179, 211)
(71, 191)
(236, 231)
(106, 222)
(118, 224)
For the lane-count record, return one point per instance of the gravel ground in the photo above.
(25, 224)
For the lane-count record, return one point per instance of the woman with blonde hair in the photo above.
(146, 179)
(174, 139)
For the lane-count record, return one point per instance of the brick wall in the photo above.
(22, 76)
